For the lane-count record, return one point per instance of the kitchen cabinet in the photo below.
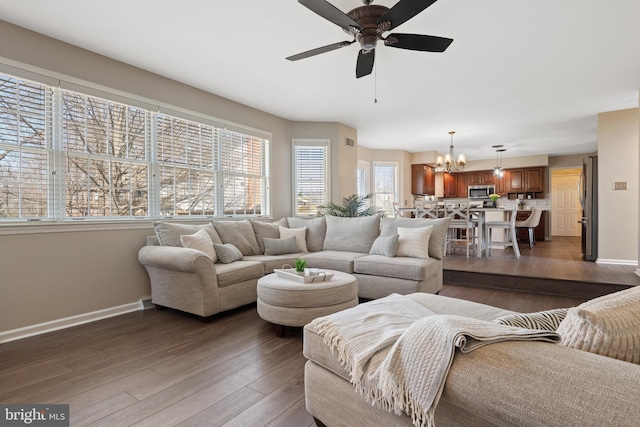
(451, 185)
(501, 185)
(480, 177)
(423, 180)
(538, 232)
(526, 180)
(463, 185)
(534, 179)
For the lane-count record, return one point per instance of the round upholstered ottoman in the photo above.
(287, 302)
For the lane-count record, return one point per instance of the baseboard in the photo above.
(617, 261)
(67, 322)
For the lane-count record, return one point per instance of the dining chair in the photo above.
(427, 209)
(462, 228)
(510, 238)
(396, 210)
(531, 222)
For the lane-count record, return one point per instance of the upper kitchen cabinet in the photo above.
(423, 180)
(526, 180)
(480, 178)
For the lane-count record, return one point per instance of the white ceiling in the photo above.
(531, 75)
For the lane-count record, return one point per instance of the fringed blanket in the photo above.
(411, 377)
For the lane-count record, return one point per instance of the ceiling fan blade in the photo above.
(364, 66)
(319, 50)
(330, 13)
(403, 11)
(418, 42)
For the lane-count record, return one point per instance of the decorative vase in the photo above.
(494, 204)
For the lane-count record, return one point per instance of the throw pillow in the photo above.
(299, 233)
(414, 242)
(389, 227)
(387, 246)
(280, 246)
(351, 234)
(227, 253)
(608, 325)
(264, 229)
(548, 320)
(200, 241)
(240, 234)
(169, 233)
(316, 229)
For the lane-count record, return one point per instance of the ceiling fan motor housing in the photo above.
(367, 17)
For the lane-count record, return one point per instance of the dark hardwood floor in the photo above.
(165, 368)
(551, 267)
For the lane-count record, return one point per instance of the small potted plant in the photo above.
(494, 198)
(301, 264)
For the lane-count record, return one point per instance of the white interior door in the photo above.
(565, 205)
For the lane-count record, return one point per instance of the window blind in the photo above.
(311, 176)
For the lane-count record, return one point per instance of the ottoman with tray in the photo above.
(289, 301)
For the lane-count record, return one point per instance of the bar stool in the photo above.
(461, 222)
(509, 228)
(531, 222)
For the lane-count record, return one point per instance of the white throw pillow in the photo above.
(608, 325)
(414, 242)
(300, 235)
(200, 241)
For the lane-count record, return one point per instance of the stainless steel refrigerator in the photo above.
(589, 200)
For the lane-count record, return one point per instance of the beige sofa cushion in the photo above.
(332, 260)
(200, 241)
(239, 271)
(351, 234)
(266, 229)
(608, 325)
(169, 233)
(300, 234)
(414, 242)
(240, 234)
(316, 229)
(389, 227)
(400, 267)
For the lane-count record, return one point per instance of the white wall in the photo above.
(618, 154)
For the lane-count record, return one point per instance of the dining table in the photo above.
(480, 216)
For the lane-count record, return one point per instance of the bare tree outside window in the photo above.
(67, 155)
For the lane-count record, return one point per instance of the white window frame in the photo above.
(380, 199)
(366, 183)
(56, 186)
(300, 142)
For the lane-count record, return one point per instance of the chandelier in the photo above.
(498, 172)
(448, 163)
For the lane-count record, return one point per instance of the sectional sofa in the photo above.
(209, 268)
(592, 378)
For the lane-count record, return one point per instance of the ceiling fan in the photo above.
(367, 24)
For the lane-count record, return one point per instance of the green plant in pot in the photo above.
(301, 264)
(352, 206)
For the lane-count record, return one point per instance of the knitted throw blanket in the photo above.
(411, 376)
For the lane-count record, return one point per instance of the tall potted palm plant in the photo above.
(352, 206)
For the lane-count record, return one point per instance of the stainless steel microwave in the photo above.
(480, 192)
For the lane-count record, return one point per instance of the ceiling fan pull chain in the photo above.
(375, 83)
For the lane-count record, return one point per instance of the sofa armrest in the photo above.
(181, 278)
(173, 258)
(532, 383)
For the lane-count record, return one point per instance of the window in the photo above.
(67, 155)
(311, 175)
(385, 176)
(362, 178)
